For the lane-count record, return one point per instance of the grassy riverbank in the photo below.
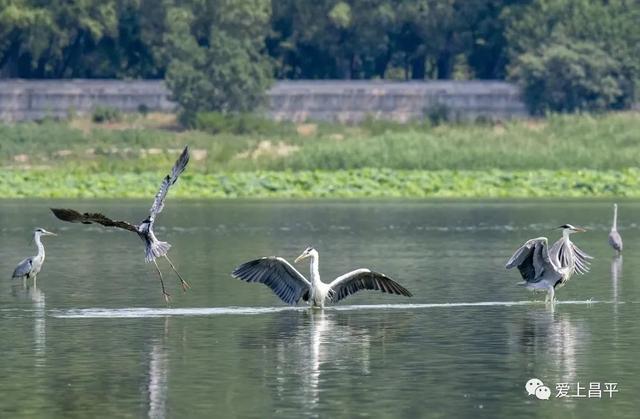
(560, 156)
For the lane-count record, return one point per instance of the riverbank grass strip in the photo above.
(360, 183)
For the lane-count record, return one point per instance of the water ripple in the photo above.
(140, 312)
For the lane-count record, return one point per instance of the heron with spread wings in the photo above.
(291, 286)
(154, 248)
(544, 269)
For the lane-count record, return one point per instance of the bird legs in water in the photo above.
(551, 296)
(184, 284)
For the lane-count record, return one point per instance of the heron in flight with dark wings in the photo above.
(545, 269)
(154, 248)
(615, 240)
(290, 285)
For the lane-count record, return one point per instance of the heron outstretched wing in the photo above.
(170, 179)
(582, 259)
(23, 268)
(73, 216)
(276, 273)
(364, 279)
(566, 252)
(532, 260)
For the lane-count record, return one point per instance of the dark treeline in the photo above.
(362, 39)
(588, 50)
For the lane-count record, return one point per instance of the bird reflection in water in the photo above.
(158, 385)
(616, 277)
(39, 322)
(554, 336)
(33, 294)
(302, 346)
(305, 349)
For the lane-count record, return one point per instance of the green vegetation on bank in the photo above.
(360, 183)
(560, 156)
(151, 143)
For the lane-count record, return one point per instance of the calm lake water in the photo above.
(95, 339)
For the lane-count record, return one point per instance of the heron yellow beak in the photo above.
(580, 230)
(48, 233)
(301, 257)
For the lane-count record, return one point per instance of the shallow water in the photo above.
(95, 339)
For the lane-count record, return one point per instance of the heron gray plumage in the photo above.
(615, 240)
(154, 248)
(31, 266)
(291, 286)
(545, 269)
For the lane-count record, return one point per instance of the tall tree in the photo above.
(80, 38)
(364, 38)
(586, 51)
(50, 40)
(217, 54)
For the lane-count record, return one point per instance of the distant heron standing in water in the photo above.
(153, 247)
(290, 285)
(30, 267)
(545, 270)
(614, 237)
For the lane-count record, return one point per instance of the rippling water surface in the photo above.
(95, 339)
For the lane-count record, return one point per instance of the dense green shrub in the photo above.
(438, 113)
(106, 114)
(575, 55)
(240, 123)
(571, 77)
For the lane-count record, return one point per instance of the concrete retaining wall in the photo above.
(345, 101)
(36, 99)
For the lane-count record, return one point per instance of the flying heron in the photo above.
(614, 237)
(545, 269)
(30, 267)
(153, 247)
(290, 285)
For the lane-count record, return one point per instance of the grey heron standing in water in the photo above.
(290, 285)
(545, 269)
(30, 267)
(154, 248)
(614, 237)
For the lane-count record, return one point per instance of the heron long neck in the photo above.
(315, 271)
(615, 219)
(36, 238)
